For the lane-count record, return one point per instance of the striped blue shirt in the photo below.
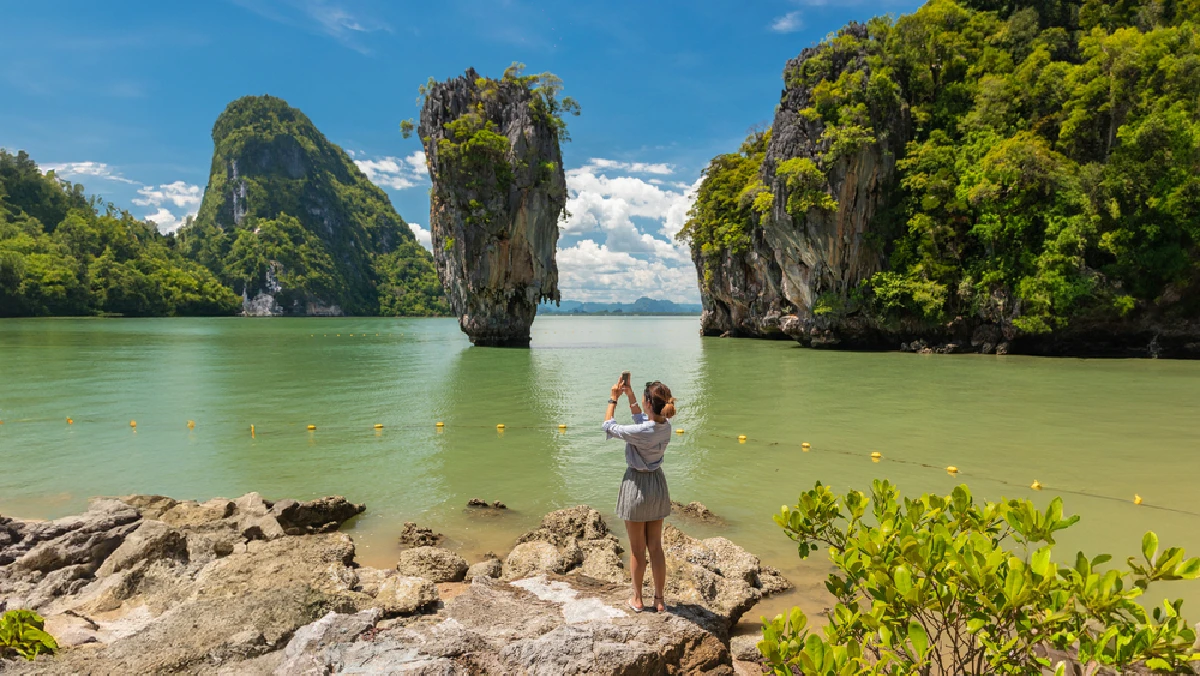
(645, 441)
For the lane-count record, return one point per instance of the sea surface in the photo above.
(1096, 432)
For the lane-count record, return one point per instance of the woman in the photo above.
(644, 502)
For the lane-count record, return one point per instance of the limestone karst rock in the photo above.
(492, 148)
(291, 223)
(770, 288)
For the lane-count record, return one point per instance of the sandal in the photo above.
(633, 607)
(664, 604)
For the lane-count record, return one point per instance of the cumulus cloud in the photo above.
(178, 193)
(87, 169)
(788, 23)
(166, 221)
(397, 173)
(626, 228)
(424, 237)
(184, 197)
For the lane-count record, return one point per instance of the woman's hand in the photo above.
(616, 389)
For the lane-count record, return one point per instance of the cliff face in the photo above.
(796, 255)
(293, 225)
(498, 192)
(952, 182)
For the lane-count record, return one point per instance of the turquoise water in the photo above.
(1095, 432)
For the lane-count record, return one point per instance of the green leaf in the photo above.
(918, 638)
(1150, 546)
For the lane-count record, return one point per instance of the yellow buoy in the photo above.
(562, 427)
(952, 470)
(1036, 485)
(378, 426)
(191, 424)
(679, 431)
(252, 431)
(70, 422)
(805, 446)
(876, 456)
(312, 427)
(441, 424)
(133, 423)
(741, 438)
(1137, 499)
(351, 335)
(500, 426)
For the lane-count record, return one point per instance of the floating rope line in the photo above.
(440, 427)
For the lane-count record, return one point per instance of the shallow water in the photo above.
(1095, 432)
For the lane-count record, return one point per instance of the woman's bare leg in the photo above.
(658, 561)
(637, 557)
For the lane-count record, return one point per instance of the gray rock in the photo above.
(694, 510)
(745, 647)
(539, 558)
(489, 567)
(305, 653)
(432, 563)
(190, 513)
(151, 541)
(716, 574)
(495, 223)
(323, 515)
(400, 594)
(418, 536)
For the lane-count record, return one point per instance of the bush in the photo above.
(21, 633)
(942, 585)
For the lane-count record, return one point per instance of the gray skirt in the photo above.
(644, 496)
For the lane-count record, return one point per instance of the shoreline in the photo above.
(149, 583)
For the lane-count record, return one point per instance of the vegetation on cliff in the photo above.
(63, 253)
(1049, 172)
(288, 213)
(945, 585)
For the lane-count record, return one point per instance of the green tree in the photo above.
(945, 585)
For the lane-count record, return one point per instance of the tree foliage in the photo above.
(944, 585)
(62, 253)
(1052, 160)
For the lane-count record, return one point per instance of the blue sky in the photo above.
(122, 96)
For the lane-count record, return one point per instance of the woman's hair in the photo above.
(661, 401)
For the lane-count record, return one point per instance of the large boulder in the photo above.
(151, 541)
(432, 563)
(323, 515)
(716, 574)
(536, 626)
(402, 594)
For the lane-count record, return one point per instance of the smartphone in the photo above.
(625, 378)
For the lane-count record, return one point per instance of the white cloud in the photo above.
(627, 228)
(178, 193)
(79, 169)
(593, 272)
(397, 173)
(166, 221)
(184, 197)
(788, 23)
(633, 167)
(424, 237)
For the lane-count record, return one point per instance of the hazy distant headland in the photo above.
(642, 306)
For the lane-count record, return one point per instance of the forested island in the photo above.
(288, 225)
(978, 174)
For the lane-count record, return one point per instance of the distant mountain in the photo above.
(641, 306)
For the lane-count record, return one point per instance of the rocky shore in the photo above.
(148, 584)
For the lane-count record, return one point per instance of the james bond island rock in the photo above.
(492, 147)
(920, 184)
(294, 226)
